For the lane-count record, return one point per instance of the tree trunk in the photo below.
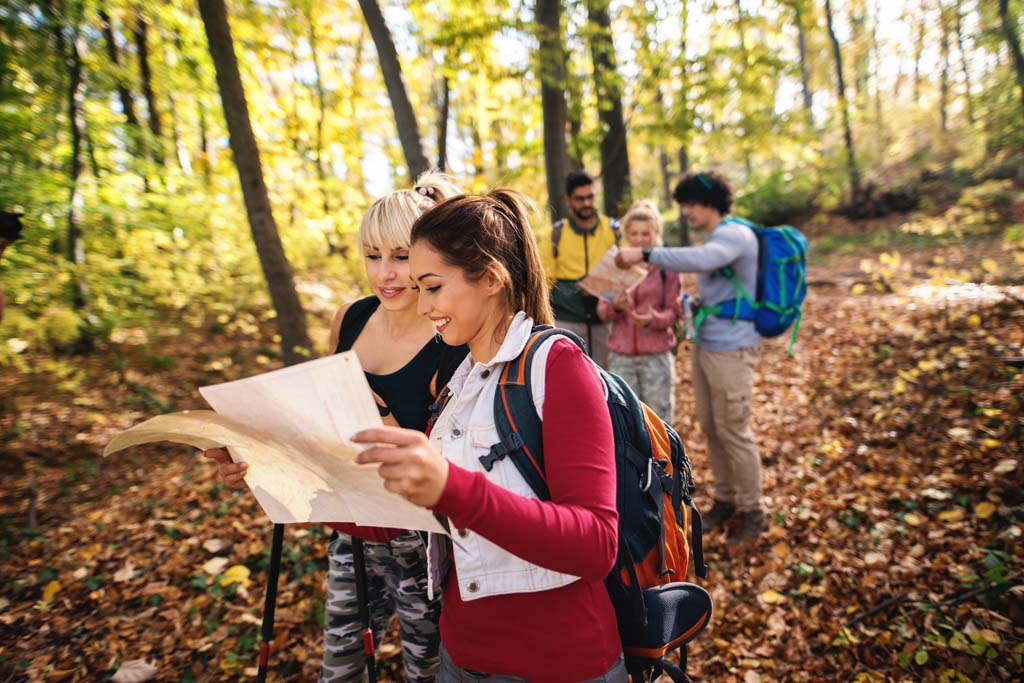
(142, 46)
(1010, 33)
(684, 225)
(805, 70)
(551, 65)
(405, 118)
(69, 49)
(321, 111)
(851, 158)
(442, 124)
(944, 77)
(574, 113)
(291, 321)
(608, 85)
(123, 93)
(963, 62)
(919, 50)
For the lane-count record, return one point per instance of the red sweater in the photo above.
(659, 292)
(559, 635)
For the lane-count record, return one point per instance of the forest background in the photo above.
(139, 151)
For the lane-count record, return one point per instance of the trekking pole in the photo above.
(270, 602)
(359, 562)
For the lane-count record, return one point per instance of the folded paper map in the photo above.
(292, 426)
(606, 280)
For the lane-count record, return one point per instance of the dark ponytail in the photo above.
(478, 233)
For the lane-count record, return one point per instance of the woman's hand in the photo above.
(233, 473)
(643, 319)
(622, 302)
(409, 466)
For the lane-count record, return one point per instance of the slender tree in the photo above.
(608, 82)
(551, 66)
(944, 27)
(405, 118)
(140, 32)
(805, 71)
(963, 61)
(1010, 33)
(123, 91)
(851, 157)
(442, 123)
(291, 320)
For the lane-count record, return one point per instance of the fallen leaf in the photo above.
(874, 559)
(984, 510)
(913, 519)
(215, 565)
(1005, 466)
(135, 671)
(51, 589)
(214, 545)
(951, 516)
(771, 597)
(125, 573)
(238, 573)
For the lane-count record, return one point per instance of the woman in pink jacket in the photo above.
(643, 320)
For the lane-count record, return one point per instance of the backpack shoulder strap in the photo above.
(556, 235)
(515, 415)
(616, 227)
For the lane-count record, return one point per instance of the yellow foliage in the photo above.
(60, 325)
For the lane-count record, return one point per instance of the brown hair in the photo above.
(477, 233)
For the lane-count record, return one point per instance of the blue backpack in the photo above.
(781, 284)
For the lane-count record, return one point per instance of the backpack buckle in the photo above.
(498, 451)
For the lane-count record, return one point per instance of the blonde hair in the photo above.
(388, 222)
(644, 210)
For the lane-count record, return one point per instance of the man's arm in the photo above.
(724, 246)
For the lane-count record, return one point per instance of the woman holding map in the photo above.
(524, 595)
(643, 320)
(404, 366)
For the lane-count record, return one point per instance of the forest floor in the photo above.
(892, 444)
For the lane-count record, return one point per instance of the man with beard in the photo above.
(576, 243)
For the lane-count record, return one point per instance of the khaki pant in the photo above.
(598, 342)
(723, 382)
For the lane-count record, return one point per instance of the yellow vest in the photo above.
(578, 250)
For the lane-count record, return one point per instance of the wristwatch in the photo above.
(646, 251)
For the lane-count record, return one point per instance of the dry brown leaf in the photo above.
(135, 671)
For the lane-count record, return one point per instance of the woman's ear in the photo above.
(495, 280)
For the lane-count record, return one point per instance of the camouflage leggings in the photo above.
(396, 574)
(652, 376)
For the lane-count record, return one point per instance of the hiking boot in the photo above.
(720, 513)
(749, 525)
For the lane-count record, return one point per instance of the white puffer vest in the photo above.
(463, 432)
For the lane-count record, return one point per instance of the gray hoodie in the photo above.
(728, 244)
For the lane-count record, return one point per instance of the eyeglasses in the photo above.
(581, 198)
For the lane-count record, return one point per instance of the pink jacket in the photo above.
(662, 296)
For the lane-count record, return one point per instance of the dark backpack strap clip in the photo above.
(508, 444)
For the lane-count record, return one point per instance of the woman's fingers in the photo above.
(396, 436)
(221, 455)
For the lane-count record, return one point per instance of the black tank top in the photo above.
(406, 392)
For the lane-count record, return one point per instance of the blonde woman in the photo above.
(643, 320)
(404, 365)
